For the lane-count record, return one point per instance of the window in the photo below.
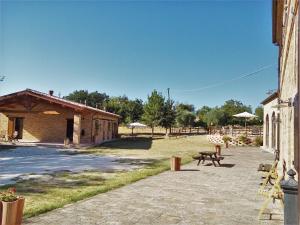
(267, 130)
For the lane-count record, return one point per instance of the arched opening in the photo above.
(273, 131)
(267, 130)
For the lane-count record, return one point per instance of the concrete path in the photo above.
(197, 195)
(31, 162)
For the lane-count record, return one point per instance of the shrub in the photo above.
(243, 139)
(226, 138)
(258, 141)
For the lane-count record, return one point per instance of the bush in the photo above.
(244, 139)
(258, 141)
(226, 138)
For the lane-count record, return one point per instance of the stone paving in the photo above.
(196, 195)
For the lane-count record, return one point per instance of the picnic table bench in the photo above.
(209, 155)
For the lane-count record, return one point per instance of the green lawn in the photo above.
(153, 155)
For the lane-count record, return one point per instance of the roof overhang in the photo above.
(56, 100)
(270, 98)
(277, 13)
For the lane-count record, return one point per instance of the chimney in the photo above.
(51, 92)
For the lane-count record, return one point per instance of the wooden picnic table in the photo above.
(209, 155)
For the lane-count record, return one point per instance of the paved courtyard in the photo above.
(196, 195)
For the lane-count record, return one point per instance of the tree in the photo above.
(135, 110)
(97, 99)
(93, 99)
(185, 118)
(118, 105)
(168, 115)
(214, 117)
(153, 110)
(203, 111)
(187, 107)
(259, 112)
(230, 108)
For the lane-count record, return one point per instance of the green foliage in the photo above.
(168, 115)
(118, 105)
(258, 141)
(157, 111)
(214, 117)
(8, 196)
(223, 115)
(202, 112)
(232, 107)
(185, 118)
(153, 109)
(129, 110)
(226, 138)
(243, 139)
(185, 107)
(93, 99)
(259, 112)
(135, 110)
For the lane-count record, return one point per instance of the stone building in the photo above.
(38, 117)
(271, 117)
(286, 36)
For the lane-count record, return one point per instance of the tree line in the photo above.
(161, 111)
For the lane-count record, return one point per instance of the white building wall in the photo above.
(269, 110)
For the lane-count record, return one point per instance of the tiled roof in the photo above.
(58, 100)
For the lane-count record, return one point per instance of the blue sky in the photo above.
(133, 47)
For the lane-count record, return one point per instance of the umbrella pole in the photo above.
(246, 126)
(132, 131)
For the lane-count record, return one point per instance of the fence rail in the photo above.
(238, 131)
(234, 132)
(161, 130)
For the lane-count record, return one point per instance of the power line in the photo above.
(227, 81)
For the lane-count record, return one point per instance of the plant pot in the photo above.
(12, 212)
(175, 163)
(218, 149)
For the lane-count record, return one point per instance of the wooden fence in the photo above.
(238, 131)
(230, 131)
(162, 131)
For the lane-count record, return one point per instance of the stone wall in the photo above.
(40, 127)
(288, 81)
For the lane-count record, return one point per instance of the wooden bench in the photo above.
(208, 156)
(264, 167)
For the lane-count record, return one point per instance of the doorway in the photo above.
(15, 124)
(70, 129)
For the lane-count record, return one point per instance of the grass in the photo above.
(62, 188)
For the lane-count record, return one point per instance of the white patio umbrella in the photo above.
(245, 115)
(136, 125)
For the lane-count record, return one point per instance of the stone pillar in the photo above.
(77, 129)
(290, 190)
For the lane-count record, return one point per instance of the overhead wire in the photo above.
(227, 81)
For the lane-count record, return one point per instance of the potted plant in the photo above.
(226, 140)
(11, 207)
